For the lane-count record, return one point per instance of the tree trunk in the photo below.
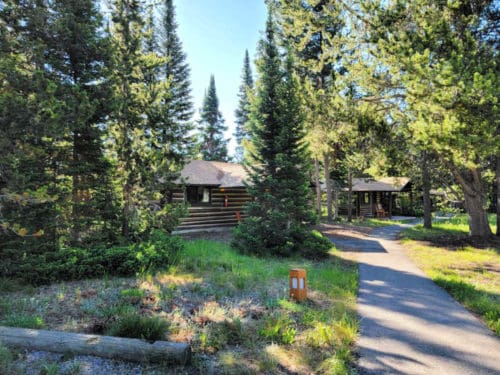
(335, 203)
(127, 209)
(349, 196)
(77, 189)
(76, 237)
(335, 190)
(475, 202)
(326, 162)
(497, 177)
(318, 186)
(426, 187)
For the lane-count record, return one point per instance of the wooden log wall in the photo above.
(215, 214)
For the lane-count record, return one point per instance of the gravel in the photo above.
(37, 362)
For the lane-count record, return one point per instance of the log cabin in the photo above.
(215, 192)
(377, 198)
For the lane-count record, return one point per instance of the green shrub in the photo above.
(23, 321)
(75, 263)
(139, 327)
(261, 239)
(315, 246)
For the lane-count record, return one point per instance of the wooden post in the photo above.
(298, 288)
(103, 346)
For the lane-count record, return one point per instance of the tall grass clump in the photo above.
(139, 327)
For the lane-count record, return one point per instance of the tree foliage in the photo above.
(211, 126)
(91, 139)
(279, 215)
(437, 61)
(242, 113)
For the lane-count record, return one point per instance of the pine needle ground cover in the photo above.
(233, 309)
(466, 268)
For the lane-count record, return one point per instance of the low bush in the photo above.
(139, 327)
(315, 246)
(159, 251)
(256, 238)
(23, 321)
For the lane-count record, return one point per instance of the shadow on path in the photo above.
(408, 325)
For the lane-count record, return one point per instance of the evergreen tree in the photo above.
(212, 128)
(177, 71)
(128, 122)
(280, 212)
(314, 31)
(173, 143)
(29, 131)
(242, 133)
(77, 55)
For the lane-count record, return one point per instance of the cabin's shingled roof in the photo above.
(213, 173)
(394, 184)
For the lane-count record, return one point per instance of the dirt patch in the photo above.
(344, 230)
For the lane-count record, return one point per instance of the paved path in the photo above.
(408, 324)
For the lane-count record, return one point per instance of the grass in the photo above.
(471, 274)
(139, 327)
(233, 309)
(6, 360)
(454, 226)
(376, 223)
(283, 328)
(372, 222)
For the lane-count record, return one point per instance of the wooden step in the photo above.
(208, 220)
(205, 225)
(199, 210)
(214, 213)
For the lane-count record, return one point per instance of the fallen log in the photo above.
(103, 346)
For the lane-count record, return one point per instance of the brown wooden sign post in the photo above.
(298, 289)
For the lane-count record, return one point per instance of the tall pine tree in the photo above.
(172, 142)
(242, 133)
(280, 212)
(177, 72)
(212, 128)
(128, 122)
(314, 31)
(77, 55)
(30, 132)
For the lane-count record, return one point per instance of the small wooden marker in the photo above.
(298, 289)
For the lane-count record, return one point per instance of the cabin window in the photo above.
(198, 195)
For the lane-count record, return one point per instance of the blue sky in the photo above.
(214, 35)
